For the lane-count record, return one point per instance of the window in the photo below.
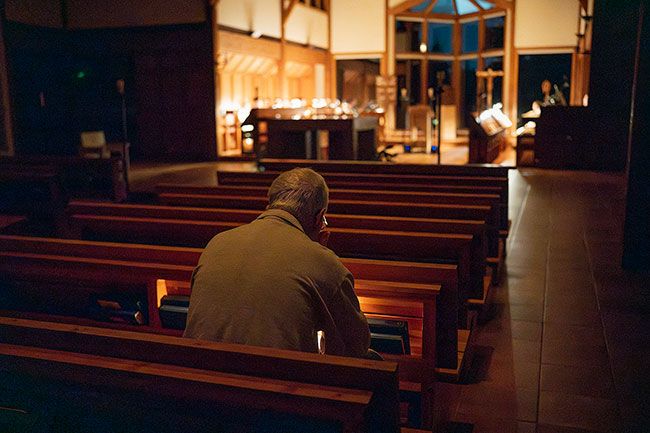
(496, 64)
(468, 87)
(408, 35)
(409, 78)
(494, 32)
(439, 38)
(469, 37)
(435, 66)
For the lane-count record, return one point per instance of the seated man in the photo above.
(270, 283)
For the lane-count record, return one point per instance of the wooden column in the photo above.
(330, 68)
(213, 16)
(282, 85)
(509, 81)
(456, 83)
(424, 67)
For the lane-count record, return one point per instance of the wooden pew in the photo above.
(342, 394)
(363, 269)
(378, 244)
(385, 299)
(388, 182)
(357, 195)
(477, 229)
(342, 194)
(346, 242)
(384, 167)
(339, 181)
(397, 173)
(354, 207)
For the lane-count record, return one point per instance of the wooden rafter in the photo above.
(430, 8)
(287, 11)
(501, 3)
(404, 6)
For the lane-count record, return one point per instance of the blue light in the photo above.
(421, 7)
(465, 7)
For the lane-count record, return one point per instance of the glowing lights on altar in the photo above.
(496, 114)
(528, 128)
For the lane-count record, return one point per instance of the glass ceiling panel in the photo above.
(444, 7)
(421, 7)
(485, 4)
(465, 7)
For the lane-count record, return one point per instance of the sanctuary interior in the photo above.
(488, 165)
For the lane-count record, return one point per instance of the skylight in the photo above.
(446, 7)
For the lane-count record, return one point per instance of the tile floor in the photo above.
(568, 335)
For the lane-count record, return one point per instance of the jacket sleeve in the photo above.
(350, 321)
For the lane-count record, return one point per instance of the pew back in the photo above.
(349, 392)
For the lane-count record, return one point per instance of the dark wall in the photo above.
(636, 255)
(612, 62)
(64, 82)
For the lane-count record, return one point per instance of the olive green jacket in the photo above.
(267, 284)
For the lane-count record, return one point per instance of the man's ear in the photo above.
(319, 219)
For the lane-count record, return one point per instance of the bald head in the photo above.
(304, 194)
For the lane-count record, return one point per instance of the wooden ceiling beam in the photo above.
(404, 6)
(453, 2)
(430, 8)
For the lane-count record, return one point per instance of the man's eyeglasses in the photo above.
(325, 222)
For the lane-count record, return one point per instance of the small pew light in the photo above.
(423, 47)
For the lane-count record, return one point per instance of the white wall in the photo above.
(251, 15)
(44, 13)
(124, 13)
(546, 23)
(358, 26)
(307, 26)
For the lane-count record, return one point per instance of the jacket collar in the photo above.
(281, 215)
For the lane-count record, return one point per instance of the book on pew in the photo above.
(387, 336)
(173, 311)
(119, 309)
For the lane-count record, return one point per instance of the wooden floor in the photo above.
(568, 347)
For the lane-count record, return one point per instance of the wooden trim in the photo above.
(453, 3)
(359, 54)
(428, 10)
(404, 6)
(546, 50)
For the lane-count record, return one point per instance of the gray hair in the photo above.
(302, 192)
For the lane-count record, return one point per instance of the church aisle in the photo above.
(551, 366)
